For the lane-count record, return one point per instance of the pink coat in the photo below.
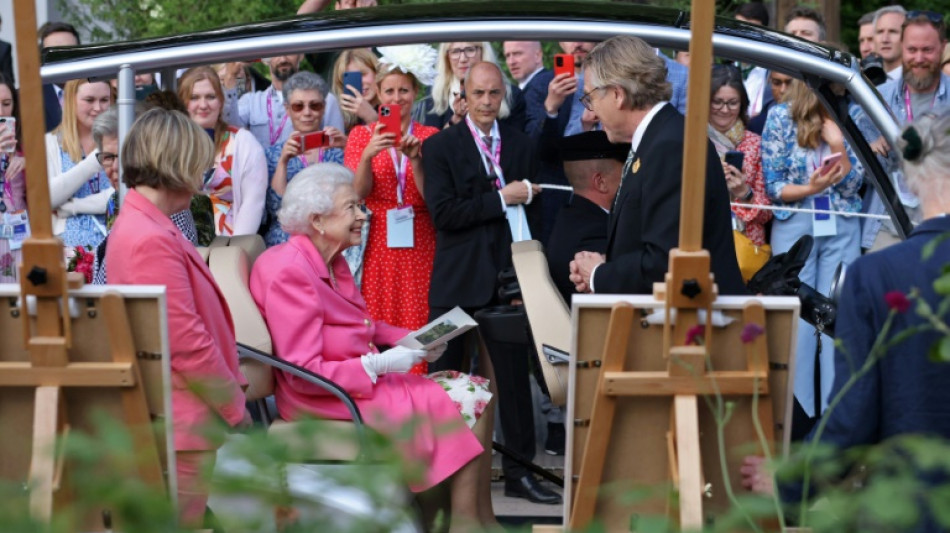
(326, 331)
(145, 248)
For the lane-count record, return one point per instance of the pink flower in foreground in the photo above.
(897, 301)
(750, 332)
(694, 335)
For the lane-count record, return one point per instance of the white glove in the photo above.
(398, 359)
(433, 354)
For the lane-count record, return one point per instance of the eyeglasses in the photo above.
(585, 98)
(469, 51)
(934, 18)
(719, 104)
(297, 107)
(106, 159)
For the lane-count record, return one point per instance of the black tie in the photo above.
(491, 174)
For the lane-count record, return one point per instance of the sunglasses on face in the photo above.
(106, 159)
(297, 107)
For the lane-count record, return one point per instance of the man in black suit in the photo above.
(55, 34)
(592, 165)
(477, 190)
(625, 86)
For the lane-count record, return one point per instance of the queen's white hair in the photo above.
(311, 192)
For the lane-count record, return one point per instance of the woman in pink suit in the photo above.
(318, 320)
(163, 160)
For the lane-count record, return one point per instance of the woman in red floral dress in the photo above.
(397, 263)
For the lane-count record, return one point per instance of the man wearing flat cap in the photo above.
(592, 165)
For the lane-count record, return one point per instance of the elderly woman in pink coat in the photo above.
(163, 160)
(318, 320)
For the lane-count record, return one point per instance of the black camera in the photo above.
(873, 67)
(384, 111)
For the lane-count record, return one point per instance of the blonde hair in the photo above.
(68, 129)
(445, 80)
(632, 65)
(166, 150)
(187, 84)
(807, 113)
(367, 59)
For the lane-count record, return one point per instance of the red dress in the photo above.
(395, 280)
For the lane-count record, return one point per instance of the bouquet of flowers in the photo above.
(82, 260)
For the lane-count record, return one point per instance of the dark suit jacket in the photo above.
(51, 108)
(473, 240)
(581, 226)
(645, 220)
(6, 62)
(535, 92)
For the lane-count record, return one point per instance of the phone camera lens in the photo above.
(385, 112)
(559, 61)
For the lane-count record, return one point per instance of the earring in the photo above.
(322, 232)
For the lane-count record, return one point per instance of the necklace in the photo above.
(332, 276)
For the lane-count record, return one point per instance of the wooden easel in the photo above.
(59, 372)
(690, 370)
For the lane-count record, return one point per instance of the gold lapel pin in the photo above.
(636, 166)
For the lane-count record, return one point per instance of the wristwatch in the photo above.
(747, 196)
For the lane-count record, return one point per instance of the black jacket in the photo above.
(473, 240)
(580, 226)
(645, 220)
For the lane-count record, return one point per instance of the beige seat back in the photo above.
(253, 245)
(231, 269)
(548, 315)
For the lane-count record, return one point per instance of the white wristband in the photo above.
(530, 191)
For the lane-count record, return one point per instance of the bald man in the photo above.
(526, 64)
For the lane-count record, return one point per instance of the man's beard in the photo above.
(284, 72)
(924, 82)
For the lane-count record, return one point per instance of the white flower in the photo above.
(417, 59)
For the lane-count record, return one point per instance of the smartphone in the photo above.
(312, 140)
(735, 158)
(353, 78)
(10, 124)
(462, 94)
(563, 63)
(829, 162)
(391, 119)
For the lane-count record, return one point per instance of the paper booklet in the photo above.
(439, 331)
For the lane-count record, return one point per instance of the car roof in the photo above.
(551, 20)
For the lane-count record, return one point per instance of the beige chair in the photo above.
(341, 441)
(548, 316)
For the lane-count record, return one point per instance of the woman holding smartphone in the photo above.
(401, 244)
(798, 136)
(358, 102)
(728, 117)
(305, 101)
(239, 181)
(12, 184)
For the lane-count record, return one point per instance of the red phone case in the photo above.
(315, 139)
(391, 119)
(563, 63)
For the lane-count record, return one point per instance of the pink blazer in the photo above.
(326, 330)
(145, 248)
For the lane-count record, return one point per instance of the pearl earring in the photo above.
(322, 232)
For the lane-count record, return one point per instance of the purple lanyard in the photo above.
(7, 187)
(493, 155)
(401, 164)
(274, 135)
(907, 107)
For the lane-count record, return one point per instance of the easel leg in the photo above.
(602, 418)
(47, 420)
(689, 462)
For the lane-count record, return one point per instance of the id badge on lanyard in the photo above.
(823, 224)
(16, 229)
(399, 221)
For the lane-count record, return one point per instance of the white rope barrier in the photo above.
(803, 210)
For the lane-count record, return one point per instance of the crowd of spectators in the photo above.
(429, 232)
